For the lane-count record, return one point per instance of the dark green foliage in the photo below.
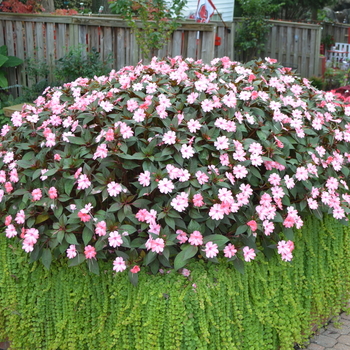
(254, 28)
(271, 306)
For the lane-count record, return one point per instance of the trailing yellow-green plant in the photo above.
(271, 306)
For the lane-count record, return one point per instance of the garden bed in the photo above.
(271, 306)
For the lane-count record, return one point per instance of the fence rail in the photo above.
(47, 38)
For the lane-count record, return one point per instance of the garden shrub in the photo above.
(271, 306)
(154, 165)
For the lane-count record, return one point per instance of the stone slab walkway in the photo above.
(334, 336)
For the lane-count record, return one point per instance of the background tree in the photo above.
(300, 9)
(254, 28)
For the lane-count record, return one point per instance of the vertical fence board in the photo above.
(191, 47)
(107, 43)
(313, 52)
(2, 32)
(120, 48)
(207, 49)
(39, 41)
(304, 52)
(176, 47)
(50, 47)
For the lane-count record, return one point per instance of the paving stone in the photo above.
(339, 346)
(325, 341)
(344, 339)
(331, 332)
(313, 346)
(343, 329)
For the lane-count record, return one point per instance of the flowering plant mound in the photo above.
(154, 165)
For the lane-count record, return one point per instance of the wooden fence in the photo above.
(339, 31)
(296, 45)
(47, 38)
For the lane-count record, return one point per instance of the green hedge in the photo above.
(271, 306)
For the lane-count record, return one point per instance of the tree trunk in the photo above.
(48, 6)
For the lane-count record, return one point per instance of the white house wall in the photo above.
(225, 8)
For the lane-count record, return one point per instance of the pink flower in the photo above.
(36, 194)
(222, 142)
(211, 250)
(100, 229)
(107, 106)
(115, 239)
(2, 176)
(83, 182)
(8, 220)
(52, 193)
(90, 252)
(185, 272)
(71, 252)
(165, 186)
(230, 251)
(119, 264)
(135, 269)
(156, 245)
(141, 215)
(57, 157)
(101, 151)
(253, 225)
(10, 231)
(180, 202)
(193, 125)
(289, 221)
(274, 179)
(114, 189)
(139, 116)
(216, 212)
(182, 236)
(20, 217)
(249, 254)
(240, 171)
(187, 151)
(198, 200)
(302, 174)
(14, 175)
(196, 238)
(84, 217)
(202, 178)
(109, 135)
(145, 178)
(77, 173)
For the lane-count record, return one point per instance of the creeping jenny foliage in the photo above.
(154, 165)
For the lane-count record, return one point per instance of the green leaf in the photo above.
(133, 278)
(68, 186)
(77, 260)
(149, 257)
(12, 61)
(41, 218)
(220, 240)
(93, 266)
(136, 156)
(87, 235)
(46, 258)
(3, 81)
(3, 59)
(20, 192)
(182, 258)
(241, 229)
(71, 239)
(75, 140)
(239, 265)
